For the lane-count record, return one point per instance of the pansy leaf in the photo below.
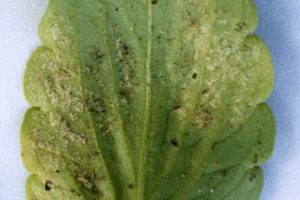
(147, 99)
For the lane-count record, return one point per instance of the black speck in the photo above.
(195, 75)
(124, 92)
(177, 107)
(256, 156)
(205, 91)
(125, 49)
(174, 142)
(154, 2)
(130, 185)
(213, 147)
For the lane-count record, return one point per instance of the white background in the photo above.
(279, 27)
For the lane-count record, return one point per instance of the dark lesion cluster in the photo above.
(95, 103)
(88, 180)
(125, 50)
(241, 26)
(126, 71)
(96, 59)
(253, 174)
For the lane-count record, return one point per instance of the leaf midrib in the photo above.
(147, 114)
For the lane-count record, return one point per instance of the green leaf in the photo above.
(147, 99)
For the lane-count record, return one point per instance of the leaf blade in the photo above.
(117, 94)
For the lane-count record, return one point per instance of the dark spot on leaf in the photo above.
(57, 171)
(213, 146)
(205, 91)
(99, 57)
(95, 154)
(177, 107)
(124, 92)
(154, 2)
(174, 142)
(188, 13)
(240, 26)
(125, 49)
(194, 76)
(253, 175)
(120, 61)
(117, 9)
(130, 185)
(255, 158)
(48, 185)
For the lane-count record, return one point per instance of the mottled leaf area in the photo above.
(147, 100)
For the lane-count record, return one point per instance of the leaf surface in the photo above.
(147, 99)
